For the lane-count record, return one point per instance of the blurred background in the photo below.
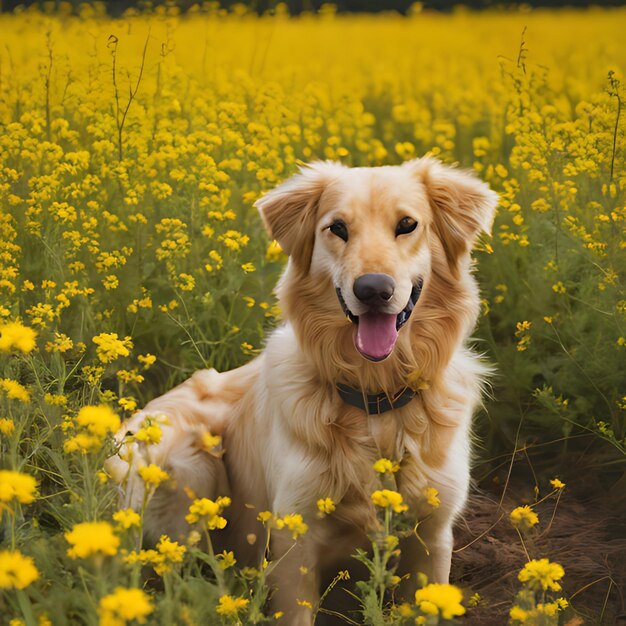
(117, 7)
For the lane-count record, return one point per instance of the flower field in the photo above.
(131, 153)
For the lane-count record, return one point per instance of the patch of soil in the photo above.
(585, 534)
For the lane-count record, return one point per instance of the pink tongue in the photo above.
(376, 335)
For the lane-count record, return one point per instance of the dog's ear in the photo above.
(289, 211)
(462, 206)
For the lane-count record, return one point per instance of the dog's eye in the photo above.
(339, 228)
(406, 225)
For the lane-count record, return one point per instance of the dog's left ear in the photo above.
(289, 211)
(462, 205)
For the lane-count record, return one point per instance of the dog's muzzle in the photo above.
(376, 333)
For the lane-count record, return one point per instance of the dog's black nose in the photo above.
(374, 289)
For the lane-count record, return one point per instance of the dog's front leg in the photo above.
(294, 577)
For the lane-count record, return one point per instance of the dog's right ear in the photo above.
(289, 211)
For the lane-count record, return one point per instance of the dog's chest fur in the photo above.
(387, 433)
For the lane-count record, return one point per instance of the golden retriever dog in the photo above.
(378, 301)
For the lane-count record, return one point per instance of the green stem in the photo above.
(217, 570)
(26, 608)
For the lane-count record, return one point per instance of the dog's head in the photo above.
(374, 236)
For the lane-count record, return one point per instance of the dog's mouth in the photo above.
(375, 332)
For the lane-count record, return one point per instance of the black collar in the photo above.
(377, 403)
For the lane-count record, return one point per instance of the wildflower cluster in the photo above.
(16, 487)
(532, 606)
(163, 558)
(16, 336)
(208, 512)
(92, 538)
(16, 570)
(90, 428)
(124, 605)
(438, 599)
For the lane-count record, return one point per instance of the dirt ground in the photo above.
(586, 535)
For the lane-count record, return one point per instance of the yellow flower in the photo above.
(17, 486)
(127, 518)
(153, 475)
(16, 336)
(226, 559)
(14, 390)
(523, 333)
(110, 347)
(127, 403)
(146, 360)
(145, 557)
(55, 399)
(167, 553)
(326, 506)
(150, 432)
(294, 523)
(130, 376)
(110, 282)
(209, 511)
(92, 538)
(185, 282)
(234, 240)
(518, 614)
(193, 538)
(432, 497)
(82, 442)
(474, 600)
(98, 420)
(557, 484)
(542, 574)
(7, 426)
(405, 610)
(264, 516)
(16, 570)
(386, 498)
(230, 606)
(275, 252)
(440, 599)
(124, 605)
(210, 441)
(547, 608)
(62, 343)
(384, 466)
(523, 517)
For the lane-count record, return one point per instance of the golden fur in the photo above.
(288, 437)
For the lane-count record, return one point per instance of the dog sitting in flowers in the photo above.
(369, 367)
